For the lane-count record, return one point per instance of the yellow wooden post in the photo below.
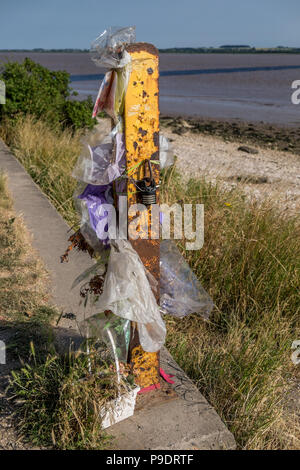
(141, 121)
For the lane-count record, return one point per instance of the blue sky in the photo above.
(165, 23)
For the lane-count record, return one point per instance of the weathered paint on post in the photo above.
(141, 121)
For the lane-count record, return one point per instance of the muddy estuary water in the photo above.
(247, 87)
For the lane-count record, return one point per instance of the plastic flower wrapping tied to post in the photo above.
(127, 293)
(111, 93)
(108, 49)
(97, 167)
(180, 291)
(102, 163)
(112, 330)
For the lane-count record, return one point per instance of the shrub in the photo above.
(45, 94)
(78, 113)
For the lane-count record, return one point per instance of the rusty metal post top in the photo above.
(142, 46)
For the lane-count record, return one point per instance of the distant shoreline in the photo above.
(180, 50)
(245, 87)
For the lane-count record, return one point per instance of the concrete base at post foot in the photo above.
(183, 421)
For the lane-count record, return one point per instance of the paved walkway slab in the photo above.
(184, 423)
(49, 234)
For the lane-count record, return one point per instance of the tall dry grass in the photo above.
(62, 402)
(240, 359)
(49, 155)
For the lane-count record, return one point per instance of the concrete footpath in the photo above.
(185, 421)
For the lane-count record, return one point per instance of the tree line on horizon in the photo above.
(225, 49)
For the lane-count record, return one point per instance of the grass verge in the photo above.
(240, 359)
(57, 402)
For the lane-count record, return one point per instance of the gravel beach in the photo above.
(255, 165)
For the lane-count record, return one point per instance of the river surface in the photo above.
(248, 87)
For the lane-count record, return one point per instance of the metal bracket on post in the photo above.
(141, 120)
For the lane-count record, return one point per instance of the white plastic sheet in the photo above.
(166, 155)
(127, 293)
(111, 330)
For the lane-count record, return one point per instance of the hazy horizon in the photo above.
(161, 48)
(68, 24)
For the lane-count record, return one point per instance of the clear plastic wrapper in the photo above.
(180, 291)
(127, 293)
(97, 269)
(103, 163)
(91, 238)
(111, 330)
(166, 155)
(108, 49)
